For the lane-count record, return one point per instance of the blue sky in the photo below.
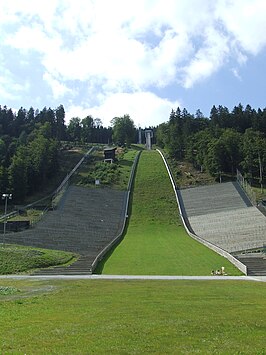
(142, 58)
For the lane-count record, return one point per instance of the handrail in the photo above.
(117, 239)
(8, 215)
(246, 187)
(220, 251)
(52, 194)
(68, 176)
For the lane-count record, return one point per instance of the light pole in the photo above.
(261, 173)
(5, 197)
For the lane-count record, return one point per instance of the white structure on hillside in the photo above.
(148, 136)
(140, 141)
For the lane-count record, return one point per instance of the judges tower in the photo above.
(148, 136)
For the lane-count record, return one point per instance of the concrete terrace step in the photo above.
(62, 273)
(222, 215)
(81, 267)
(232, 230)
(213, 198)
(256, 264)
(87, 221)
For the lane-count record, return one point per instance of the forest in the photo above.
(30, 144)
(220, 144)
(31, 141)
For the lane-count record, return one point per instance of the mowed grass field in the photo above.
(133, 317)
(139, 317)
(155, 242)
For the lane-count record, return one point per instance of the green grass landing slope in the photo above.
(155, 242)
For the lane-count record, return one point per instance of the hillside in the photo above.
(155, 241)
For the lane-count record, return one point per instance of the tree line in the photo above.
(220, 144)
(30, 142)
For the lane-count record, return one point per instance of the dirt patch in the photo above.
(27, 292)
(186, 175)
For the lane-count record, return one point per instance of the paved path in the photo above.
(134, 277)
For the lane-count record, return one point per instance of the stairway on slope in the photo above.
(80, 267)
(223, 215)
(208, 199)
(256, 263)
(87, 221)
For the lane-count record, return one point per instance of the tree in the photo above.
(230, 142)
(214, 116)
(74, 129)
(60, 127)
(42, 155)
(198, 148)
(214, 157)
(162, 136)
(4, 186)
(18, 174)
(123, 130)
(19, 121)
(254, 153)
(87, 129)
(238, 119)
(2, 152)
(30, 115)
(175, 142)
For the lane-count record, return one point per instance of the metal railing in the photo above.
(246, 187)
(60, 191)
(50, 200)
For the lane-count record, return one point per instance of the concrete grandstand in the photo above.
(222, 215)
(85, 222)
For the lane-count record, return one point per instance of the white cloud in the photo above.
(58, 89)
(109, 40)
(17, 11)
(34, 38)
(236, 74)
(145, 108)
(120, 50)
(245, 22)
(208, 59)
(9, 88)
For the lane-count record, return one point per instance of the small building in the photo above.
(109, 154)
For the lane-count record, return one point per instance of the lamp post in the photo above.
(5, 197)
(261, 173)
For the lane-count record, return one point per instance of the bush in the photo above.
(105, 172)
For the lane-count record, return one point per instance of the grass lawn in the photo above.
(14, 258)
(132, 317)
(155, 242)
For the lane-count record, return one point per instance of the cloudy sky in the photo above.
(107, 58)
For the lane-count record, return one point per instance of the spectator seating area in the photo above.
(223, 215)
(85, 222)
